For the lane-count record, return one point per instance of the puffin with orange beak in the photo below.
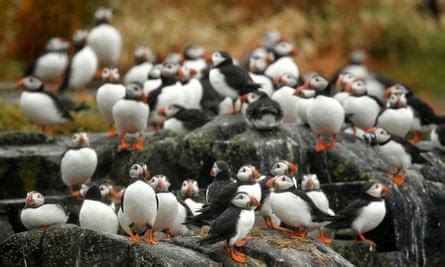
(249, 177)
(78, 163)
(343, 86)
(397, 118)
(190, 194)
(144, 58)
(364, 213)
(194, 58)
(283, 52)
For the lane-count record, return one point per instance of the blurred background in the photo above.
(404, 39)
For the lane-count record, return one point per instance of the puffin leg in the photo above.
(235, 255)
(268, 222)
(367, 241)
(240, 243)
(139, 144)
(134, 236)
(398, 178)
(150, 239)
(122, 144)
(111, 131)
(322, 237)
(417, 137)
(248, 237)
(333, 142)
(321, 145)
(73, 193)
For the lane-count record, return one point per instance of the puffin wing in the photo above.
(317, 214)
(345, 217)
(413, 150)
(424, 111)
(239, 79)
(223, 227)
(192, 118)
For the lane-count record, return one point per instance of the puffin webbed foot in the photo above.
(150, 239)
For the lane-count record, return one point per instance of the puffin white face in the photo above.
(318, 83)
(172, 110)
(259, 52)
(34, 199)
(344, 81)
(287, 79)
(138, 171)
(80, 140)
(284, 48)
(159, 183)
(283, 167)
(144, 54)
(248, 173)
(214, 170)
(358, 87)
(378, 190)
(218, 58)
(110, 74)
(57, 44)
(310, 182)
(30, 83)
(381, 135)
(134, 91)
(244, 201)
(155, 72)
(80, 36)
(103, 15)
(283, 182)
(173, 58)
(169, 69)
(190, 188)
(397, 101)
(105, 189)
(257, 65)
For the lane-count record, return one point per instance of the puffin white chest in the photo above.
(151, 85)
(302, 105)
(281, 66)
(341, 97)
(320, 200)
(288, 103)
(291, 209)
(244, 224)
(175, 126)
(51, 65)
(396, 121)
(218, 81)
(139, 204)
(168, 208)
(98, 216)
(325, 115)
(394, 154)
(178, 227)
(173, 94)
(193, 206)
(264, 82)
(83, 68)
(364, 111)
(193, 92)
(130, 116)
(138, 73)
(78, 165)
(196, 64)
(40, 108)
(106, 42)
(253, 190)
(47, 214)
(369, 217)
(107, 95)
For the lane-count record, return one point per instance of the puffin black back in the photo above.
(93, 193)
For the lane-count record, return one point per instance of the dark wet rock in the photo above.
(6, 229)
(23, 138)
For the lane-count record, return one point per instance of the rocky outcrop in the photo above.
(413, 230)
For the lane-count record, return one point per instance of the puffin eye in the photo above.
(283, 179)
(241, 197)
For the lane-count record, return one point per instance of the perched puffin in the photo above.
(396, 152)
(221, 171)
(104, 39)
(78, 163)
(167, 205)
(82, 67)
(190, 194)
(96, 215)
(397, 118)
(343, 86)
(283, 52)
(139, 207)
(228, 79)
(284, 96)
(109, 194)
(192, 86)
(193, 58)
(304, 98)
(186, 119)
(257, 66)
(365, 213)
(438, 137)
(325, 115)
(233, 225)
(131, 116)
(262, 113)
(38, 214)
(108, 94)
(52, 63)
(144, 59)
(295, 208)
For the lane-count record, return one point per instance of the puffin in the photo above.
(364, 213)
(38, 214)
(192, 86)
(233, 225)
(108, 94)
(397, 118)
(221, 172)
(262, 113)
(343, 86)
(397, 152)
(109, 194)
(228, 79)
(283, 52)
(190, 195)
(360, 109)
(167, 207)
(143, 59)
(437, 137)
(325, 115)
(181, 120)
(193, 58)
(131, 116)
(295, 208)
(82, 67)
(257, 66)
(139, 206)
(42, 107)
(248, 177)
(304, 98)
(284, 96)
(153, 79)
(96, 215)
(104, 39)
(78, 163)
(52, 63)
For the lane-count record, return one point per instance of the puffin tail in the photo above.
(209, 239)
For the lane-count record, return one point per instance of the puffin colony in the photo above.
(188, 89)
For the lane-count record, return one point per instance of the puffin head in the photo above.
(344, 81)
(194, 51)
(244, 201)
(139, 171)
(80, 38)
(220, 57)
(284, 48)
(377, 190)
(285, 79)
(257, 65)
(110, 75)
(283, 167)
(281, 183)
(395, 89)
(248, 173)
(310, 182)
(170, 111)
(159, 183)
(57, 44)
(270, 39)
(30, 84)
(144, 54)
(314, 82)
(135, 91)
(190, 188)
(80, 140)
(218, 167)
(34, 199)
(103, 15)
(358, 87)
(397, 100)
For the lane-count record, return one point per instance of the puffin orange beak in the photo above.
(28, 199)
(244, 98)
(208, 57)
(270, 182)
(254, 202)
(190, 190)
(161, 185)
(145, 172)
(213, 172)
(386, 190)
(298, 91)
(256, 174)
(310, 184)
(348, 87)
(161, 112)
(193, 72)
(18, 85)
(253, 68)
(294, 52)
(115, 194)
(387, 93)
(180, 74)
(269, 58)
(338, 82)
(370, 130)
(145, 99)
(277, 80)
(293, 167)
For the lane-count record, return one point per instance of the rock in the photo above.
(6, 229)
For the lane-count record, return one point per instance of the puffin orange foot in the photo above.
(134, 238)
(398, 179)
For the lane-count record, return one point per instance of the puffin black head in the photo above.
(93, 193)
(283, 167)
(171, 111)
(377, 190)
(135, 91)
(80, 39)
(144, 54)
(219, 167)
(248, 173)
(103, 15)
(80, 140)
(284, 48)
(282, 183)
(30, 84)
(110, 75)
(190, 188)
(169, 72)
(139, 171)
(159, 183)
(310, 182)
(34, 199)
(193, 51)
(220, 58)
(242, 200)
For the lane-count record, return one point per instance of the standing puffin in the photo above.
(248, 177)
(108, 94)
(78, 163)
(96, 215)
(284, 96)
(304, 97)
(283, 52)
(262, 113)
(228, 79)
(139, 207)
(131, 116)
(190, 194)
(104, 39)
(221, 172)
(396, 152)
(397, 118)
(38, 214)
(167, 205)
(193, 58)
(233, 225)
(438, 137)
(144, 59)
(257, 66)
(182, 120)
(82, 67)
(365, 213)
(343, 86)
(325, 115)
(295, 208)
